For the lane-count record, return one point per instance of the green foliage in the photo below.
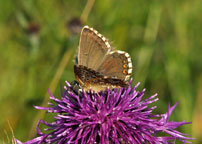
(37, 50)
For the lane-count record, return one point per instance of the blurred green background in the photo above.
(39, 39)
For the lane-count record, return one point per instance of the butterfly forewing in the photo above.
(93, 48)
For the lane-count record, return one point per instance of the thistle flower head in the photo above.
(109, 117)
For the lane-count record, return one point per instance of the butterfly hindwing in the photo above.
(116, 64)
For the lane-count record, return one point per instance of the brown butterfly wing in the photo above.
(93, 48)
(116, 64)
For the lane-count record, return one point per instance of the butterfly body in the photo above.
(99, 66)
(89, 78)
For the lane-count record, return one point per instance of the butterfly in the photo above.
(98, 66)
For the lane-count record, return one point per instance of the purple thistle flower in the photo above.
(114, 116)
